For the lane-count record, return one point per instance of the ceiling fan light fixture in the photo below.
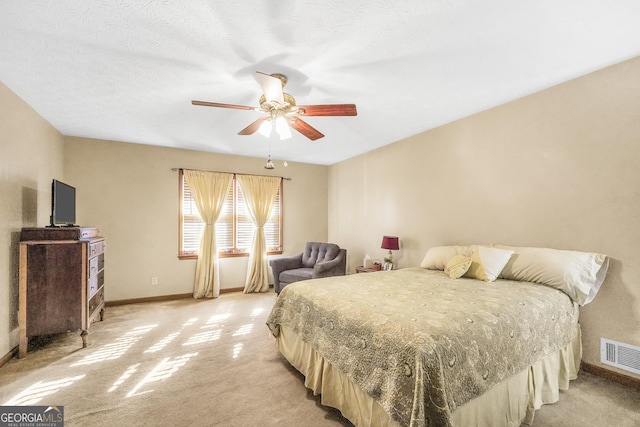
(282, 127)
(265, 128)
(281, 107)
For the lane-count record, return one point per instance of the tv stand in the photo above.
(61, 282)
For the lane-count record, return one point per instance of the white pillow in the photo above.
(457, 266)
(437, 257)
(487, 263)
(578, 274)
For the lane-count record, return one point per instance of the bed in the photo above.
(461, 340)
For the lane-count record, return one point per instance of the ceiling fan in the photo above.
(281, 110)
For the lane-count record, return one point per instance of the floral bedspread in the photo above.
(422, 344)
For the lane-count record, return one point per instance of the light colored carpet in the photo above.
(213, 363)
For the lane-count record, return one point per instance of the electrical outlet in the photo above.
(154, 280)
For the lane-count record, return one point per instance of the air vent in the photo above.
(620, 355)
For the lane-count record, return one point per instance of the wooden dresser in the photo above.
(61, 282)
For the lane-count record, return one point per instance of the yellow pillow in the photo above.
(457, 266)
(487, 263)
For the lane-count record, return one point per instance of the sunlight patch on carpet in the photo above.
(190, 321)
(37, 391)
(117, 348)
(214, 321)
(130, 371)
(243, 330)
(237, 349)
(204, 337)
(162, 343)
(161, 372)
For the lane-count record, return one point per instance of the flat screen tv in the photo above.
(63, 204)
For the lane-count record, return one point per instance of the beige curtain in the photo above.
(260, 194)
(208, 190)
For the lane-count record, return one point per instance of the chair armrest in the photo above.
(335, 267)
(278, 265)
(286, 263)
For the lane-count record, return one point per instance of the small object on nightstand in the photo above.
(367, 262)
(390, 243)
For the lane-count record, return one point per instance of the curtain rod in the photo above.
(234, 173)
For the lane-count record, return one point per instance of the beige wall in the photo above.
(559, 168)
(31, 153)
(130, 193)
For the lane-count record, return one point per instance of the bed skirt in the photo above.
(509, 403)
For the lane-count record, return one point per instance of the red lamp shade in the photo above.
(390, 243)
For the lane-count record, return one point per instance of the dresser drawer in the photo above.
(96, 264)
(96, 302)
(95, 282)
(93, 285)
(96, 248)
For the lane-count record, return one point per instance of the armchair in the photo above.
(317, 260)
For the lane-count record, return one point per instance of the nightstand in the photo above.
(362, 269)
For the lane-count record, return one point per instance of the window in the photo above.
(234, 227)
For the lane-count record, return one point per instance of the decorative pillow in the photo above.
(438, 256)
(487, 263)
(457, 266)
(578, 274)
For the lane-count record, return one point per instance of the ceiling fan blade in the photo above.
(216, 104)
(253, 127)
(271, 86)
(328, 110)
(304, 128)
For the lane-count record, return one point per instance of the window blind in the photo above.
(234, 227)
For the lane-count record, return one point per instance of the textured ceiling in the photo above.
(127, 70)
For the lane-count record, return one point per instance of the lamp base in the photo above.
(388, 265)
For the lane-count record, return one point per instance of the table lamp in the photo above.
(390, 243)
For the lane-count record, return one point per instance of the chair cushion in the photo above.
(295, 275)
(315, 252)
